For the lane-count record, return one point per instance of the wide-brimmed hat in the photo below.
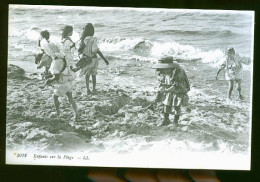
(165, 62)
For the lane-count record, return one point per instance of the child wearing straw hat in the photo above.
(174, 85)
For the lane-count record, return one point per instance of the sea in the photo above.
(143, 34)
(138, 34)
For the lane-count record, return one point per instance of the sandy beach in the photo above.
(119, 126)
(118, 114)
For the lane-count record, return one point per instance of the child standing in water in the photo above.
(233, 71)
(174, 85)
(88, 50)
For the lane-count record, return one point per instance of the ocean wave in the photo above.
(187, 53)
(126, 57)
(155, 48)
(146, 50)
(139, 48)
(119, 43)
(33, 34)
(12, 32)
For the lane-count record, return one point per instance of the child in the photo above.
(89, 62)
(48, 47)
(61, 80)
(43, 59)
(234, 71)
(174, 86)
(68, 46)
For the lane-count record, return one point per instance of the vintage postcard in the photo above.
(129, 87)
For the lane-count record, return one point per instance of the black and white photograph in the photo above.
(129, 87)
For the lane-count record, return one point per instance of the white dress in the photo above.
(64, 83)
(234, 67)
(68, 49)
(51, 49)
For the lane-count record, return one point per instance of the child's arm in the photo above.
(101, 55)
(243, 59)
(221, 68)
(81, 48)
(216, 77)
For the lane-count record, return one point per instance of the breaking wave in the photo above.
(142, 49)
(147, 50)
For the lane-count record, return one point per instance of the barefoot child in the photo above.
(233, 71)
(89, 62)
(174, 86)
(61, 80)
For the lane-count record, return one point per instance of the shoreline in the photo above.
(117, 111)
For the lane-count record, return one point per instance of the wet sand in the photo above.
(118, 114)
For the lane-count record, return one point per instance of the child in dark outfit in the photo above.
(174, 86)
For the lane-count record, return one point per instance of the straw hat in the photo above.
(165, 62)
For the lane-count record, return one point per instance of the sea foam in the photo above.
(147, 50)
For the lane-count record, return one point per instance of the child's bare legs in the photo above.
(73, 105)
(87, 84)
(230, 88)
(56, 104)
(239, 89)
(94, 81)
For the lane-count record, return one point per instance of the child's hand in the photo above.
(107, 63)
